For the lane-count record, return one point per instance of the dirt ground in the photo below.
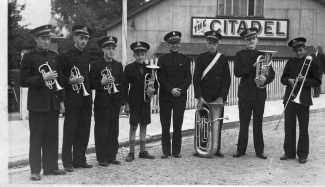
(247, 170)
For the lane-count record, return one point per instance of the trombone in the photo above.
(302, 73)
(107, 73)
(76, 87)
(42, 69)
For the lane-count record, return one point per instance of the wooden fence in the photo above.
(275, 90)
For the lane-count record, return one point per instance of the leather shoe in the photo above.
(302, 160)
(115, 162)
(130, 157)
(178, 155)
(104, 164)
(262, 156)
(285, 157)
(68, 169)
(145, 154)
(85, 165)
(164, 156)
(55, 172)
(219, 154)
(35, 177)
(237, 155)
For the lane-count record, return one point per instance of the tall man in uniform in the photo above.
(44, 104)
(251, 98)
(212, 76)
(108, 101)
(78, 107)
(319, 58)
(295, 110)
(174, 77)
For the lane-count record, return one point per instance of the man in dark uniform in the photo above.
(78, 102)
(140, 114)
(174, 77)
(319, 58)
(44, 104)
(251, 98)
(295, 110)
(214, 85)
(108, 101)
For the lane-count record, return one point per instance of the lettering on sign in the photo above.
(230, 27)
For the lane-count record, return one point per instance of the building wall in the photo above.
(305, 19)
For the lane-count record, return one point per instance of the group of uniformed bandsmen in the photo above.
(115, 88)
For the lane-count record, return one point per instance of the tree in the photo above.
(18, 37)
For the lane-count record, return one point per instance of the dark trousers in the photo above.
(106, 132)
(166, 108)
(294, 110)
(76, 135)
(246, 108)
(43, 147)
(221, 123)
(317, 89)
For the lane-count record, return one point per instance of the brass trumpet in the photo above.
(206, 130)
(303, 73)
(76, 87)
(263, 63)
(44, 68)
(107, 73)
(149, 80)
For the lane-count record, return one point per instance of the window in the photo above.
(240, 8)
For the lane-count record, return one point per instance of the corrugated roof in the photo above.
(228, 50)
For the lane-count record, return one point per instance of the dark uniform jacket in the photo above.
(80, 59)
(244, 69)
(40, 98)
(291, 71)
(174, 72)
(216, 82)
(320, 60)
(103, 98)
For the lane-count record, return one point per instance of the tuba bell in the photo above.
(107, 73)
(44, 68)
(76, 87)
(149, 79)
(263, 63)
(206, 130)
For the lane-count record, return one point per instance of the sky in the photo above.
(36, 13)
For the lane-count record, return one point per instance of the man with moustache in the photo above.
(106, 77)
(174, 77)
(251, 98)
(78, 103)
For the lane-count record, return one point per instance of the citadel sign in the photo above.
(276, 29)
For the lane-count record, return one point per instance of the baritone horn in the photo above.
(44, 68)
(76, 87)
(206, 130)
(107, 73)
(303, 73)
(149, 79)
(263, 63)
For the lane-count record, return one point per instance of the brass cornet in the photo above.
(107, 73)
(263, 63)
(44, 68)
(149, 79)
(76, 87)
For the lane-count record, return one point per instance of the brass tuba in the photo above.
(263, 63)
(149, 79)
(44, 68)
(107, 73)
(76, 87)
(206, 130)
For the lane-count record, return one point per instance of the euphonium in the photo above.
(303, 73)
(149, 80)
(76, 87)
(263, 63)
(207, 125)
(44, 68)
(107, 73)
